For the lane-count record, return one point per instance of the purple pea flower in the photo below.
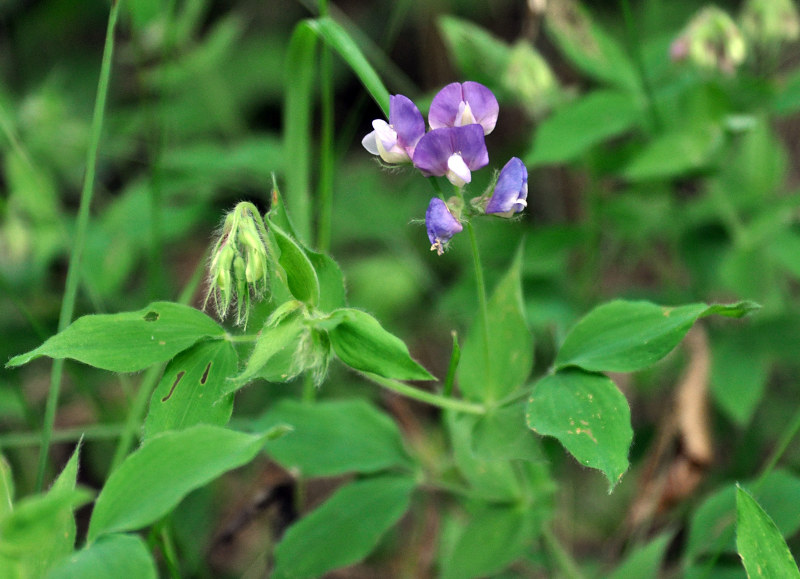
(441, 225)
(460, 104)
(453, 152)
(395, 141)
(511, 190)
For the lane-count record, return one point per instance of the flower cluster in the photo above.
(460, 116)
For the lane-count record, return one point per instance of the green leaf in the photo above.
(738, 376)
(489, 478)
(494, 537)
(712, 523)
(588, 414)
(155, 478)
(478, 54)
(361, 342)
(129, 341)
(358, 438)
(64, 529)
(6, 488)
(787, 100)
(674, 154)
(191, 390)
(580, 125)
(337, 38)
(588, 46)
(300, 71)
(763, 551)
(344, 530)
(116, 555)
(643, 561)
(490, 373)
(33, 533)
(300, 274)
(501, 434)
(331, 281)
(273, 340)
(625, 336)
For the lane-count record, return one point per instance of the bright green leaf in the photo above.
(489, 372)
(588, 414)
(494, 537)
(152, 480)
(674, 154)
(33, 533)
(191, 390)
(344, 530)
(6, 488)
(358, 438)
(361, 342)
(116, 555)
(273, 340)
(589, 46)
(501, 434)
(129, 341)
(331, 281)
(300, 274)
(625, 336)
(763, 551)
(643, 561)
(578, 126)
(738, 376)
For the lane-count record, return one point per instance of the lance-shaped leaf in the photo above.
(361, 342)
(191, 390)
(588, 414)
(301, 276)
(490, 371)
(625, 336)
(358, 438)
(345, 529)
(763, 551)
(155, 478)
(116, 555)
(129, 341)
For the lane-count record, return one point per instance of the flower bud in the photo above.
(441, 225)
(711, 40)
(770, 22)
(239, 268)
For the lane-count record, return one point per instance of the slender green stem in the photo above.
(89, 432)
(451, 369)
(482, 303)
(560, 555)
(325, 201)
(778, 452)
(424, 396)
(73, 277)
(636, 53)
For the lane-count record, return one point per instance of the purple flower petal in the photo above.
(511, 192)
(405, 118)
(463, 104)
(435, 150)
(441, 225)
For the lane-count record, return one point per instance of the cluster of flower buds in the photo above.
(711, 40)
(239, 269)
(770, 22)
(460, 116)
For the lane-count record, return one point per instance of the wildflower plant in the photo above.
(272, 371)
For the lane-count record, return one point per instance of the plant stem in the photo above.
(325, 201)
(482, 304)
(636, 53)
(424, 396)
(73, 277)
(89, 432)
(455, 357)
(776, 455)
(562, 559)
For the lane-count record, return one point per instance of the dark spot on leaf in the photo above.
(151, 316)
(171, 390)
(205, 374)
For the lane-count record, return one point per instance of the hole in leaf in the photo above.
(171, 390)
(151, 316)
(205, 374)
